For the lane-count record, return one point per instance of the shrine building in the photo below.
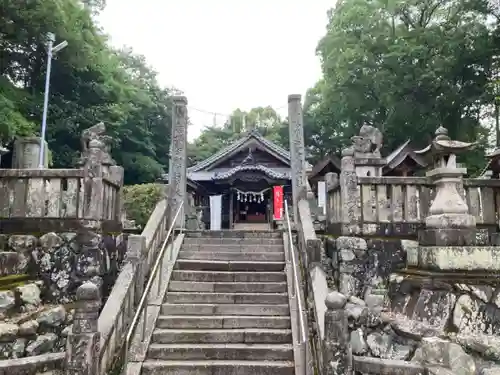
(237, 182)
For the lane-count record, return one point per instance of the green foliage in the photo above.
(405, 67)
(90, 82)
(140, 201)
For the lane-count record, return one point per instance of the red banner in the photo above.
(278, 202)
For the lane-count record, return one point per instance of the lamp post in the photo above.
(51, 50)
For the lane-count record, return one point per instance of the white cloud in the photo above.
(224, 54)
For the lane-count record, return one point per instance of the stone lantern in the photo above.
(448, 209)
(449, 241)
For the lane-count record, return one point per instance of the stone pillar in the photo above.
(297, 152)
(332, 182)
(137, 255)
(26, 153)
(83, 344)
(350, 196)
(177, 174)
(337, 352)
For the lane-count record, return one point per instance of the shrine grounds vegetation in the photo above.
(140, 201)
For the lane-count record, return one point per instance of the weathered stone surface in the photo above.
(7, 301)
(351, 243)
(448, 237)
(8, 263)
(488, 346)
(29, 295)
(19, 348)
(490, 371)
(442, 353)
(53, 317)
(8, 332)
(28, 328)
(43, 344)
(358, 343)
(465, 314)
(23, 245)
(434, 308)
(411, 249)
(466, 258)
(384, 345)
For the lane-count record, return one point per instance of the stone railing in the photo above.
(121, 304)
(57, 199)
(399, 205)
(315, 287)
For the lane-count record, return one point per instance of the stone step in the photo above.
(237, 298)
(221, 255)
(231, 287)
(221, 321)
(282, 310)
(224, 276)
(220, 265)
(205, 336)
(238, 248)
(239, 234)
(239, 351)
(233, 241)
(205, 367)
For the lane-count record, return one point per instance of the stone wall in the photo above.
(358, 265)
(36, 308)
(57, 260)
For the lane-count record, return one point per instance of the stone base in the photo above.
(464, 258)
(453, 237)
(448, 220)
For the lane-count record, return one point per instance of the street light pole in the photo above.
(50, 42)
(51, 38)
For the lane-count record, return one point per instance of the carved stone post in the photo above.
(177, 174)
(297, 152)
(337, 352)
(82, 347)
(349, 195)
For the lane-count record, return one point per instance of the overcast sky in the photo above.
(224, 54)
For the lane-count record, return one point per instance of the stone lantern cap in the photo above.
(443, 149)
(494, 161)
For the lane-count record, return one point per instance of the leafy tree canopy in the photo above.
(90, 82)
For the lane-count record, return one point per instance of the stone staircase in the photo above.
(226, 310)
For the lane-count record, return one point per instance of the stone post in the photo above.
(337, 352)
(350, 196)
(26, 153)
(331, 181)
(137, 255)
(297, 152)
(82, 347)
(177, 175)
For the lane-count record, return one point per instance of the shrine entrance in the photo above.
(251, 206)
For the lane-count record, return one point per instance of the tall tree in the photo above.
(90, 82)
(406, 67)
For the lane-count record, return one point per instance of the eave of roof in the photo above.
(330, 159)
(399, 155)
(274, 149)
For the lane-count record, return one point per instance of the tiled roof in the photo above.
(271, 146)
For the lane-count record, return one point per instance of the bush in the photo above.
(140, 201)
